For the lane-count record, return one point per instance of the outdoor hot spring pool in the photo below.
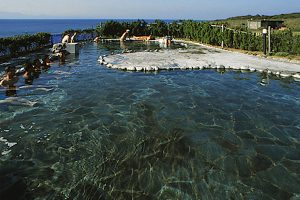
(99, 133)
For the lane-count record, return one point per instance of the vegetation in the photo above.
(282, 41)
(290, 20)
(14, 46)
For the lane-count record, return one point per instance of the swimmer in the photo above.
(29, 73)
(97, 39)
(46, 62)
(9, 81)
(37, 68)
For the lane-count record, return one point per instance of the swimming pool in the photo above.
(98, 133)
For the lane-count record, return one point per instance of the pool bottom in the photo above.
(104, 134)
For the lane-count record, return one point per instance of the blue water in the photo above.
(98, 133)
(14, 27)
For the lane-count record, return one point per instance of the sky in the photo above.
(141, 9)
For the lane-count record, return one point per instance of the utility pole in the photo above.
(265, 32)
(269, 38)
(222, 36)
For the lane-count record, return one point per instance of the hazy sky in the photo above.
(151, 9)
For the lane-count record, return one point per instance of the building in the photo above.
(257, 24)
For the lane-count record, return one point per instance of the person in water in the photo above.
(37, 66)
(46, 63)
(97, 39)
(62, 56)
(9, 81)
(66, 38)
(125, 34)
(73, 37)
(29, 73)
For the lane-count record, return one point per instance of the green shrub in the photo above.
(282, 54)
(13, 46)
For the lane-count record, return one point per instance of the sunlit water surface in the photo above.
(98, 133)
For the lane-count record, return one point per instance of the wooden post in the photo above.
(269, 38)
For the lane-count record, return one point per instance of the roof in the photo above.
(266, 20)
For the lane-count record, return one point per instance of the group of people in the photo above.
(31, 71)
(68, 38)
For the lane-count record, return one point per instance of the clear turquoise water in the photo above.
(105, 134)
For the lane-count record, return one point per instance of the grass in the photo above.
(290, 20)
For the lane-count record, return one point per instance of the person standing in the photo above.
(123, 37)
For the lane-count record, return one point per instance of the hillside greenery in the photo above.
(292, 20)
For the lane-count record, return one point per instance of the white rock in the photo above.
(109, 65)
(252, 69)
(277, 73)
(244, 68)
(284, 75)
(131, 68)
(220, 67)
(148, 68)
(139, 68)
(260, 70)
(296, 77)
(156, 68)
(201, 68)
(195, 67)
(122, 68)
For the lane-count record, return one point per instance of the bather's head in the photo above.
(10, 71)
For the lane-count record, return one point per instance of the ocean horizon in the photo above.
(14, 27)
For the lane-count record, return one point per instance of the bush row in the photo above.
(281, 41)
(14, 46)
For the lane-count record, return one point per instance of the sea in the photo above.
(13, 27)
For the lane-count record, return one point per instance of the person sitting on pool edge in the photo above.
(66, 38)
(73, 37)
(10, 80)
